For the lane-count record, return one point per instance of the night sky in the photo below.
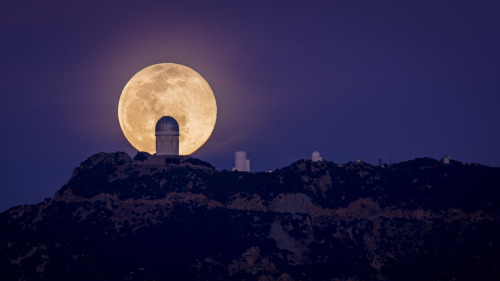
(373, 79)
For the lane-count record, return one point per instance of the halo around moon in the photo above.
(167, 89)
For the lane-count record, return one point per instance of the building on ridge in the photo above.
(241, 163)
(446, 159)
(316, 157)
(167, 136)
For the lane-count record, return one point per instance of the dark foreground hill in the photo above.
(177, 218)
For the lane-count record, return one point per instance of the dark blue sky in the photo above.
(369, 79)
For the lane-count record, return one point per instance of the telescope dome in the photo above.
(167, 126)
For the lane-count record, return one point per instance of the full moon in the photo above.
(167, 89)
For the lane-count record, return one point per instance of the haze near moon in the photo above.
(167, 89)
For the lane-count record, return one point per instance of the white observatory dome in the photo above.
(316, 157)
(167, 136)
(167, 126)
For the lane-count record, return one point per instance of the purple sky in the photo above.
(369, 79)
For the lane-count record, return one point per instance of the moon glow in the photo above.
(167, 89)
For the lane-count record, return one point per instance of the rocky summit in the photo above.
(178, 218)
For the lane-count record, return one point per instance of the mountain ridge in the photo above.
(306, 221)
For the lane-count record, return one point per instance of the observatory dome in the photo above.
(316, 157)
(167, 126)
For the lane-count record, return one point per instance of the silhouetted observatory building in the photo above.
(167, 136)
